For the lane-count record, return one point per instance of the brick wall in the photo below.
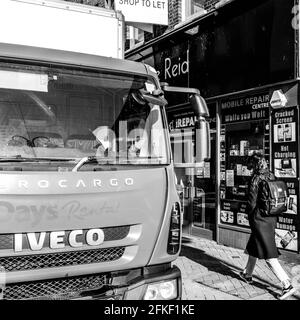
(210, 4)
(175, 16)
(174, 12)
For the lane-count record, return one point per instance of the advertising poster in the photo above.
(285, 155)
(285, 168)
(207, 170)
(227, 217)
(287, 240)
(242, 219)
(222, 165)
(285, 146)
(234, 213)
(227, 212)
(293, 189)
(230, 178)
(286, 233)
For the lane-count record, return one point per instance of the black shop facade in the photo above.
(244, 60)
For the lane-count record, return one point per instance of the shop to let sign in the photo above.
(144, 11)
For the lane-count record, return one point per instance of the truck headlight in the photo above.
(162, 291)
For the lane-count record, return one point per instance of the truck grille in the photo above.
(61, 259)
(58, 289)
(110, 234)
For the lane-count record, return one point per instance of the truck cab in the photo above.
(88, 203)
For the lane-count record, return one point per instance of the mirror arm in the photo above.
(154, 98)
(165, 86)
(197, 101)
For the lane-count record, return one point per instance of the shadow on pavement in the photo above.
(223, 268)
(186, 239)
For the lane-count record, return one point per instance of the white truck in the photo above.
(88, 202)
(62, 25)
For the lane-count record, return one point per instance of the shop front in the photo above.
(215, 195)
(244, 60)
(256, 122)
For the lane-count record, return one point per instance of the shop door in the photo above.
(198, 185)
(182, 149)
(203, 201)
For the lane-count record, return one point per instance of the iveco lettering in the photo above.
(58, 239)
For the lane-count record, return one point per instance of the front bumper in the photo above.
(121, 285)
(136, 288)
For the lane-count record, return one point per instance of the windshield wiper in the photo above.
(19, 158)
(90, 159)
(109, 161)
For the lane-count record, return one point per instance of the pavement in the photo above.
(210, 272)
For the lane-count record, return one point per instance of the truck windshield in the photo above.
(49, 116)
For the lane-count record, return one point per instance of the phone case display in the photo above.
(245, 129)
(285, 157)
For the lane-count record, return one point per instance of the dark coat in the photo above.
(262, 240)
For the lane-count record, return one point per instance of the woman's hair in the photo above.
(258, 162)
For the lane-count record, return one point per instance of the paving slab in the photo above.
(210, 272)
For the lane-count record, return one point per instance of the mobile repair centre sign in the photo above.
(144, 11)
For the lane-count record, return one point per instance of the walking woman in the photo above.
(262, 244)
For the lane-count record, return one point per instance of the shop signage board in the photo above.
(285, 155)
(185, 119)
(248, 108)
(173, 65)
(181, 121)
(144, 11)
(278, 99)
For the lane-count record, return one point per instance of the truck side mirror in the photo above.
(202, 140)
(199, 106)
(202, 129)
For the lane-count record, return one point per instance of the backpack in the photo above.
(277, 200)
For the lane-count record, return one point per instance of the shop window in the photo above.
(245, 130)
(134, 36)
(191, 8)
(197, 5)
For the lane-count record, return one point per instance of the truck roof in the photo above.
(14, 52)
